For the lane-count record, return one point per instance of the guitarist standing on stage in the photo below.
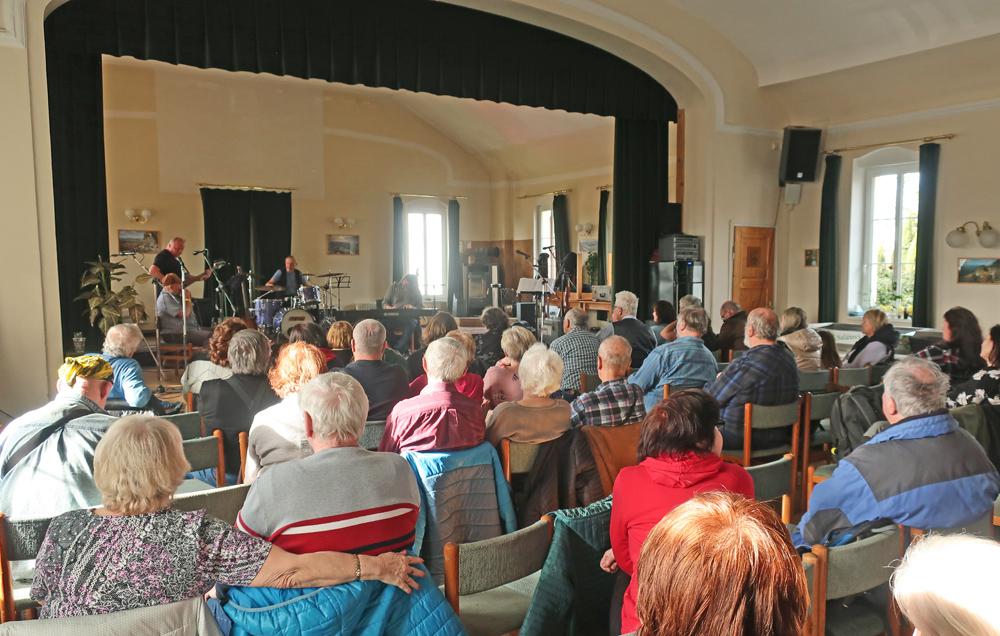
(168, 262)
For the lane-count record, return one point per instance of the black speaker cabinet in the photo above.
(799, 154)
(526, 312)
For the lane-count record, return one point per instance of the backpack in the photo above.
(853, 413)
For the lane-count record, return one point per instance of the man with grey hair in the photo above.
(709, 337)
(684, 363)
(614, 402)
(625, 324)
(440, 417)
(764, 375)
(923, 471)
(130, 393)
(385, 384)
(578, 349)
(293, 503)
(229, 404)
(734, 323)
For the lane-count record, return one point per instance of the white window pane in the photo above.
(883, 241)
(884, 197)
(911, 193)
(434, 277)
(415, 245)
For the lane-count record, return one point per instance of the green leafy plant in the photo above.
(590, 266)
(105, 306)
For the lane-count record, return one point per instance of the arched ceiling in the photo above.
(787, 40)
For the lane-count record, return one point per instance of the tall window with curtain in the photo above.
(545, 235)
(426, 252)
(890, 250)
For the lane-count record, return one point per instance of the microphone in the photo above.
(124, 254)
(548, 247)
(527, 256)
(219, 264)
(196, 252)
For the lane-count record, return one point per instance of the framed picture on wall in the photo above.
(342, 244)
(979, 271)
(142, 241)
(812, 258)
(586, 246)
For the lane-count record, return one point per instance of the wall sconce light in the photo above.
(988, 237)
(586, 228)
(142, 216)
(344, 223)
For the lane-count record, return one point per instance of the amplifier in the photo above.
(601, 292)
(680, 247)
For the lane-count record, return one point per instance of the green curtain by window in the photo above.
(560, 227)
(828, 251)
(602, 239)
(923, 286)
(456, 291)
(398, 239)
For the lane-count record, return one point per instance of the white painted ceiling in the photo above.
(792, 39)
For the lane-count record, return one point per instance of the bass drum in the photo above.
(285, 319)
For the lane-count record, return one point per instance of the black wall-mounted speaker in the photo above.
(799, 154)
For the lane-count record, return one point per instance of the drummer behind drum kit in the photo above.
(312, 303)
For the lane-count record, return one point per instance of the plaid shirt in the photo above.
(578, 350)
(765, 375)
(612, 403)
(947, 358)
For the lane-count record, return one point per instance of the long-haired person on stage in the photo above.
(168, 262)
(404, 294)
(287, 279)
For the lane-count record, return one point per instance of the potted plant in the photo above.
(105, 306)
(590, 266)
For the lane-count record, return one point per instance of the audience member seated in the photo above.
(766, 375)
(683, 363)
(230, 405)
(470, 384)
(384, 384)
(338, 338)
(721, 564)
(958, 354)
(217, 366)
(535, 418)
(946, 586)
(985, 383)
(440, 418)
(734, 324)
(502, 382)
(287, 508)
(663, 314)
(312, 334)
(678, 458)
(878, 345)
(440, 324)
(578, 349)
(614, 402)
(625, 324)
(803, 341)
(829, 358)
(137, 552)
(922, 471)
(168, 313)
(130, 390)
(45, 454)
(488, 348)
(669, 333)
(278, 433)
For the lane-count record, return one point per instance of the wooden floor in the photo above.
(171, 384)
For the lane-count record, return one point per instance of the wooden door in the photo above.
(753, 267)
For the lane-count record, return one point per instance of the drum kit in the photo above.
(311, 303)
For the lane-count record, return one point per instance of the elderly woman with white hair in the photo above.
(502, 383)
(136, 551)
(535, 418)
(130, 390)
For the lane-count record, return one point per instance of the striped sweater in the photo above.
(340, 499)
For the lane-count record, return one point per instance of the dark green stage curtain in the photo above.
(456, 292)
(560, 227)
(923, 283)
(271, 213)
(828, 252)
(602, 239)
(640, 204)
(398, 239)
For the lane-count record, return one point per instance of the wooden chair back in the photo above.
(852, 377)
(814, 407)
(815, 381)
(222, 503)
(244, 441)
(189, 424)
(19, 541)
(207, 452)
(773, 481)
(761, 417)
(517, 458)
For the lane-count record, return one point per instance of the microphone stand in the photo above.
(219, 287)
(154, 356)
(184, 320)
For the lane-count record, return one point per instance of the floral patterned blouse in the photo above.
(983, 387)
(91, 564)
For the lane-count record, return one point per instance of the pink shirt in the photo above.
(469, 385)
(501, 384)
(440, 418)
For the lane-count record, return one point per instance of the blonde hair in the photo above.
(515, 341)
(297, 363)
(945, 586)
(792, 319)
(339, 335)
(138, 464)
(541, 371)
(467, 340)
(876, 318)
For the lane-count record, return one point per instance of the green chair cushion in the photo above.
(495, 611)
(825, 470)
(858, 618)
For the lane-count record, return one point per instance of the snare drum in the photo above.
(285, 319)
(264, 310)
(308, 296)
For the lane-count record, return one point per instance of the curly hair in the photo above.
(297, 363)
(218, 344)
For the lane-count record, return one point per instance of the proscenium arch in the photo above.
(416, 45)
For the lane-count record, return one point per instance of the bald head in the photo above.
(762, 327)
(613, 358)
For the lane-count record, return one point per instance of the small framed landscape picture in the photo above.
(142, 241)
(979, 271)
(342, 244)
(587, 246)
(812, 258)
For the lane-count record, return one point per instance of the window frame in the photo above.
(425, 208)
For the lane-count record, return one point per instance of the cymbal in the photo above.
(265, 288)
(327, 275)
